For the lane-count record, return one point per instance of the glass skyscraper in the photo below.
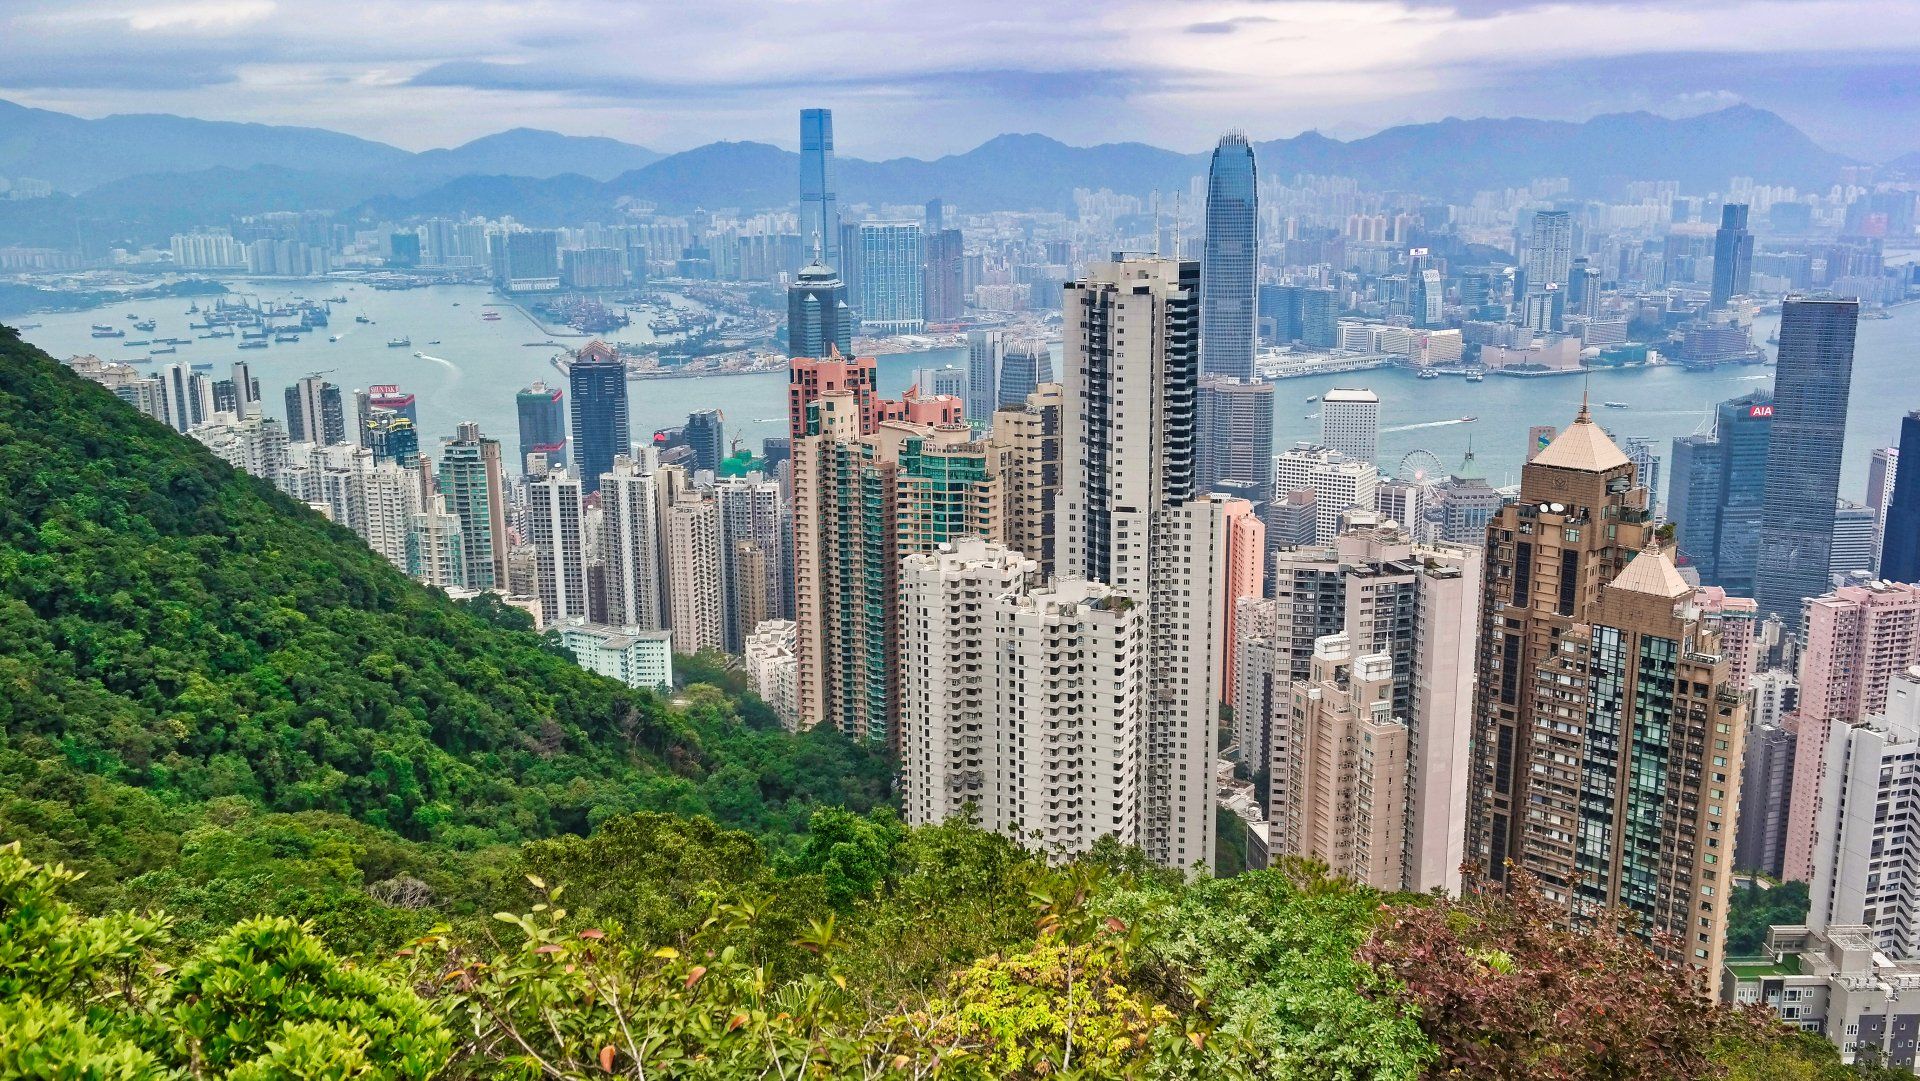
(1900, 551)
(890, 256)
(543, 425)
(819, 203)
(1732, 256)
(1718, 493)
(1810, 387)
(1227, 276)
(597, 381)
(818, 317)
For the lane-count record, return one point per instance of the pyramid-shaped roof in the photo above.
(1582, 446)
(1652, 573)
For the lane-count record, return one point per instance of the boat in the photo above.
(103, 326)
(335, 337)
(133, 342)
(336, 300)
(220, 332)
(109, 333)
(1614, 405)
(254, 343)
(164, 349)
(286, 337)
(1310, 416)
(203, 366)
(436, 341)
(491, 317)
(1468, 419)
(1773, 339)
(399, 343)
(144, 324)
(1429, 373)
(456, 304)
(419, 354)
(362, 319)
(132, 318)
(1313, 397)
(1476, 376)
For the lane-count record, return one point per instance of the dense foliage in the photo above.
(1755, 907)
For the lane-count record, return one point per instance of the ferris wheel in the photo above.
(1420, 467)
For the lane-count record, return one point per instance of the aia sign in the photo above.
(1758, 411)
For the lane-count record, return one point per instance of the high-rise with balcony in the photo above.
(597, 381)
(1129, 518)
(1229, 260)
(1023, 702)
(1607, 731)
(557, 531)
(473, 485)
(1810, 387)
(630, 545)
(1858, 638)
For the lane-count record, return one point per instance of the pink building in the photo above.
(1246, 547)
(1738, 618)
(1858, 639)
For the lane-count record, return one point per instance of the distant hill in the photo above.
(78, 155)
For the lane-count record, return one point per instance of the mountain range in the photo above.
(134, 179)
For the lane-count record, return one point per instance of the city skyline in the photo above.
(440, 76)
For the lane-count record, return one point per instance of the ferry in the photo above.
(399, 343)
(1614, 405)
(254, 343)
(335, 338)
(144, 324)
(1476, 376)
(1429, 373)
(1313, 397)
(362, 319)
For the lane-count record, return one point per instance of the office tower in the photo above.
(314, 412)
(1732, 257)
(1350, 423)
(753, 538)
(1718, 492)
(1595, 654)
(943, 289)
(1900, 544)
(819, 320)
(630, 545)
(557, 531)
(697, 609)
(771, 664)
(597, 381)
(986, 354)
(992, 653)
(1228, 262)
(1235, 433)
(1025, 444)
(543, 425)
(474, 487)
(890, 288)
(1549, 258)
(1867, 833)
(1338, 483)
(819, 202)
(948, 380)
(1858, 637)
(1027, 364)
(1810, 387)
(1292, 519)
(707, 435)
(188, 396)
(1583, 289)
(1378, 593)
(1129, 518)
(1852, 554)
(1404, 502)
(436, 551)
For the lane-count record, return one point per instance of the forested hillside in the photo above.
(336, 826)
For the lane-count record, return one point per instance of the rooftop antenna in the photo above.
(1176, 225)
(1156, 223)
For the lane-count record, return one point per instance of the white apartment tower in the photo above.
(694, 588)
(557, 529)
(1021, 699)
(630, 545)
(1869, 829)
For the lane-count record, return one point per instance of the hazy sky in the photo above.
(926, 77)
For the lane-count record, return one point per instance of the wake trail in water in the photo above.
(1428, 424)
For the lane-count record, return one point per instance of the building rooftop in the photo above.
(1583, 446)
(1652, 573)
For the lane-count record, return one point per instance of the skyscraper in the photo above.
(753, 540)
(1228, 263)
(597, 380)
(1028, 364)
(188, 396)
(707, 435)
(986, 352)
(819, 203)
(942, 286)
(1810, 386)
(1350, 423)
(694, 579)
(314, 412)
(890, 257)
(1900, 546)
(1235, 445)
(543, 425)
(557, 531)
(630, 546)
(474, 488)
(1602, 696)
(1549, 259)
(1732, 257)
(1717, 493)
(819, 320)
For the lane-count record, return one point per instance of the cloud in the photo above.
(1228, 26)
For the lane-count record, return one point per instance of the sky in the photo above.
(924, 78)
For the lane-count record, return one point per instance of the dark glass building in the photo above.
(819, 205)
(818, 316)
(543, 424)
(597, 381)
(1810, 387)
(1718, 494)
(706, 433)
(1227, 265)
(1900, 550)
(1732, 256)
